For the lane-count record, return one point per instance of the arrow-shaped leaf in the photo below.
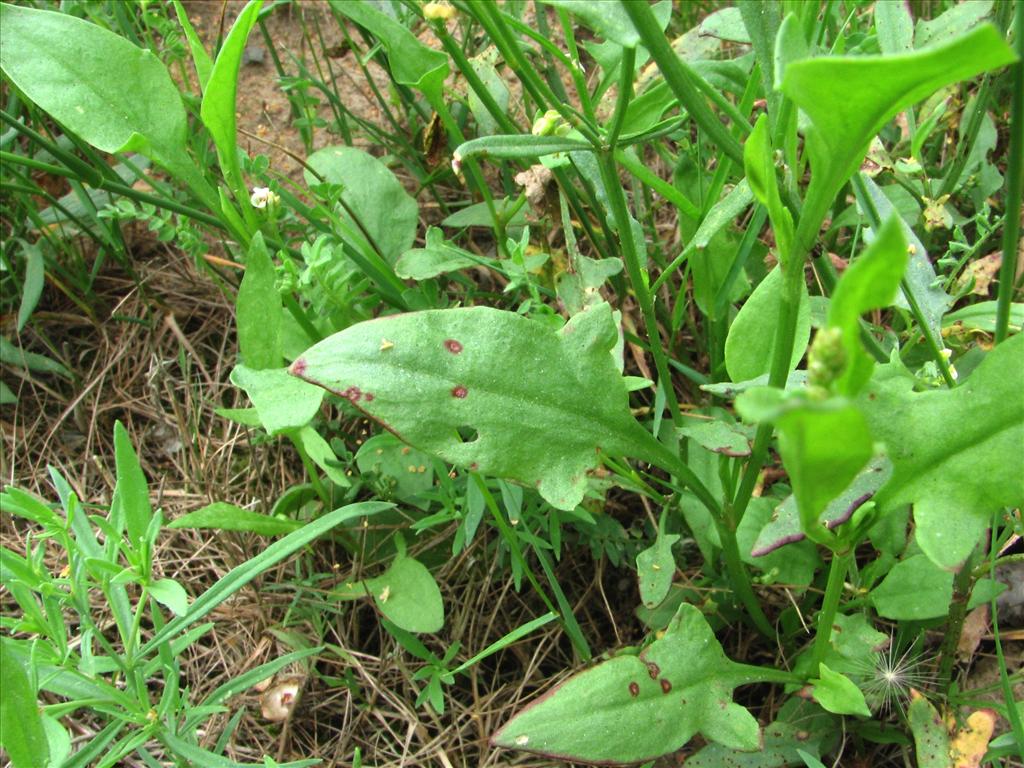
(491, 390)
(634, 708)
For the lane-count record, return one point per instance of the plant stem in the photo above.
(1011, 220)
(680, 79)
(827, 615)
(963, 583)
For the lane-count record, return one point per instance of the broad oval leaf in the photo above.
(490, 390)
(90, 79)
(634, 708)
(385, 212)
(407, 594)
(749, 345)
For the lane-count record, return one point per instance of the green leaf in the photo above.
(7, 397)
(242, 574)
(411, 472)
(58, 739)
(130, 505)
(410, 62)
(718, 437)
(30, 361)
(799, 725)
(920, 274)
(200, 58)
(609, 20)
(321, 453)
(533, 405)
(895, 27)
(634, 708)
(282, 401)
(170, 594)
(258, 310)
(850, 98)
(784, 525)
(748, 347)
(21, 726)
(823, 447)
(931, 737)
(478, 215)
(655, 568)
(218, 107)
(384, 212)
(32, 287)
(915, 589)
(90, 80)
(221, 516)
(982, 317)
(516, 146)
(408, 595)
(838, 694)
(952, 22)
(955, 452)
(438, 257)
(759, 166)
(871, 282)
(794, 565)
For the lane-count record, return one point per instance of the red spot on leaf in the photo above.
(298, 367)
(653, 670)
(460, 392)
(352, 394)
(634, 689)
(453, 346)
(666, 686)
(368, 397)
(474, 466)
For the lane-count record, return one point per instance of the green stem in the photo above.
(680, 78)
(754, 674)
(1011, 221)
(963, 583)
(827, 615)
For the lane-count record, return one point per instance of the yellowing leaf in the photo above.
(970, 743)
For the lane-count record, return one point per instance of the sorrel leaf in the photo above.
(407, 594)
(258, 310)
(850, 98)
(748, 347)
(543, 404)
(955, 453)
(378, 210)
(871, 282)
(218, 107)
(838, 694)
(634, 708)
(411, 62)
(90, 79)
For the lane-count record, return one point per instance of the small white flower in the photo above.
(456, 163)
(262, 196)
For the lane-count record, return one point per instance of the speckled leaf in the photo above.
(931, 740)
(655, 567)
(956, 453)
(491, 390)
(784, 527)
(634, 708)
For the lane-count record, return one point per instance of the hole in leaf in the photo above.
(467, 434)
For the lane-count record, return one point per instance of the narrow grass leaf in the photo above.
(221, 516)
(241, 575)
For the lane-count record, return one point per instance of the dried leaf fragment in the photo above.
(278, 703)
(970, 743)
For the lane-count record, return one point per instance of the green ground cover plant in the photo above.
(724, 274)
